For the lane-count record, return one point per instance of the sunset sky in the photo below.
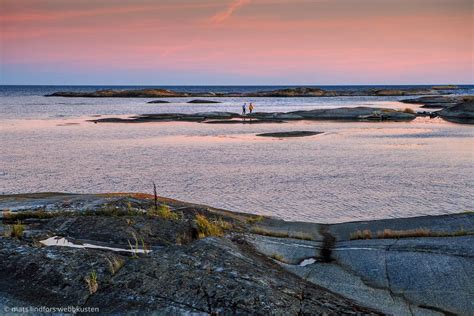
(236, 42)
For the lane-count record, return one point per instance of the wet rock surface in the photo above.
(289, 92)
(254, 265)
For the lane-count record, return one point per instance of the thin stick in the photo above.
(156, 196)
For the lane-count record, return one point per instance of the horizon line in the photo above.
(244, 85)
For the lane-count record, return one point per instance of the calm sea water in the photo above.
(354, 171)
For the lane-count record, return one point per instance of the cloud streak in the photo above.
(224, 15)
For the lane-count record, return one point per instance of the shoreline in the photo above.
(337, 262)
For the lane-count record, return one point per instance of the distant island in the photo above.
(279, 93)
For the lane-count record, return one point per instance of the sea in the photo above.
(353, 171)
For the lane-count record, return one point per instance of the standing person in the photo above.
(244, 109)
(250, 107)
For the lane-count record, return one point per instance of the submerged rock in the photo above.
(290, 134)
(243, 121)
(198, 101)
(158, 101)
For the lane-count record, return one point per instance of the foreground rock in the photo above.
(290, 134)
(188, 270)
(345, 114)
(256, 265)
(280, 93)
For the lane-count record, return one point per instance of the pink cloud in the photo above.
(224, 15)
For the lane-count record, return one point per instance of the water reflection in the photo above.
(353, 171)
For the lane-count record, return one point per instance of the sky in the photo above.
(236, 42)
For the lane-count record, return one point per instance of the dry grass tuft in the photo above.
(135, 248)
(17, 230)
(420, 232)
(389, 233)
(92, 282)
(115, 264)
(280, 234)
(223, 224)
(410, 233)
(302, 236)
(22, 215)
(210, 228)
(255, 219)
(409, 110)
(113, 210)
(278, 257)
(271, 233)
(361, 234)
(164, 212)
